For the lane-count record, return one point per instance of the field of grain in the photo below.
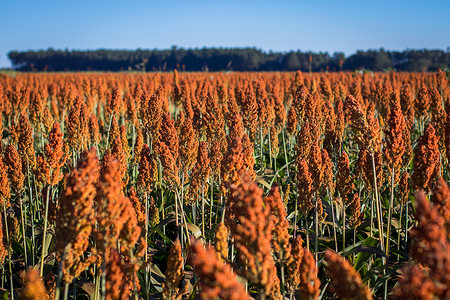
(225, 185)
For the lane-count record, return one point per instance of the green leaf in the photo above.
(4, 294)
(364, 256)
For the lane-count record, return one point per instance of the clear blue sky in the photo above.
(269, 25)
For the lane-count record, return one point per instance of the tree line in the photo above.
(227, 59)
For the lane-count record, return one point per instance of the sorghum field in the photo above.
(225, 185)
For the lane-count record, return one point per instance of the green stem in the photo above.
(146, 240)
(285, 152)
(109, 129)
(23, 215)
(378, 204)
(316, 229)
(45, 231)
(399, 231)
(211, 201)
(203, 212)
(406, 228)
(334, 221)
(343, 225)
(391, 203)
(66, 291)
(8, 243)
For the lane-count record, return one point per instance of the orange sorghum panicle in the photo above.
(304, 187)
(422, 103)
(117, 285)
(280, 242)
(221, 242)
(294, 262)
(75, 220)
(118, 152)
(328, 173)
(54, 154)
(252, 234)
(130, 230)
(426, 160)
(26, 142)
(441, 201)
(5, 190)
(13, 163)
(345, 281)
(33, 288)
(309, 283)
(215, 157)
(138, 207)
(168, 135)
(188, 145)
(292, 122)
(77, 125)
(146, 176)
(174, 272)
(395, 142)
(168, 162)
(344, 178)
(109, 188)
(355, 211)
(94, 130)
(138, 145)
(216, 278)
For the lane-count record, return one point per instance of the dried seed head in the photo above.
(138, 207)
(5, 192)
(304, 187)
(216, 278)
(75, 219)
(328, 173)
(345, 281)
(422, 102)
(221, 242)
(25, 142)
(109, 193)
(315, 165)
(309, 283)
(174, 272)
(292, 122)
(293, 266)
(94, 130)
(215, 157)
(168, 162)
(119, 277)
(281, 235)
(441, 201)
(252, 233)
(304, 141)
(344, 178)
(13, 163)
(34, 288)
(138, 146)
(54, 154)
(395, 142)
(426, 160)
(77, 125)
(168, 135)
(355, 211)
(188, 145)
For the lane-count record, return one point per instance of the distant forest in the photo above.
(227, 59)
